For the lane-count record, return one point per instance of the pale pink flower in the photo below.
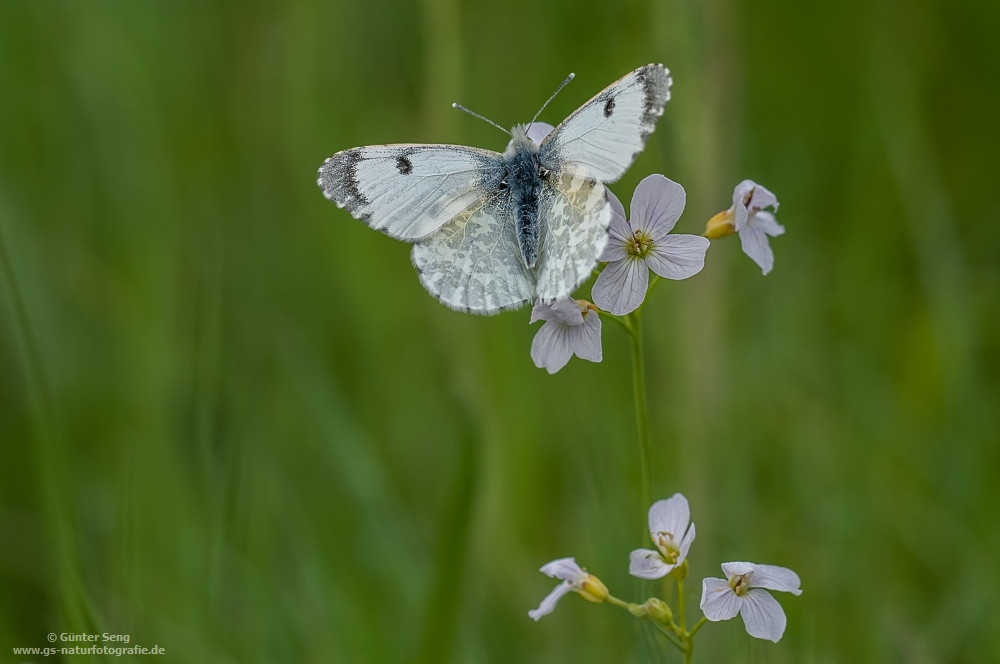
(744, 591)
(644, 243)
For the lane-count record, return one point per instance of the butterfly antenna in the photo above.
(477, 115)
(561, 86)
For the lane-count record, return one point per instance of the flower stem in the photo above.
(614, 601)
(641, 410)
(670, 637)
(680, 603)
(697, 626)
(624, 322)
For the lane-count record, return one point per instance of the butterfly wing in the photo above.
(408, 191)
(473, 262)
(609, 131)
(575, 215)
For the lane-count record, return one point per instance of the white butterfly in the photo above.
(494, 231)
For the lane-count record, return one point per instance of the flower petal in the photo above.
(670, 516)
(552, 346)
(763, 616)
(762, 198)
(678, 256)
(767, 223)
(549, 603)
(588, 339)
(566, 569)
(718, 601)
(621, 287)
(538, 131)
(618, 232)
(686, 544)
(648, 564)
(756, 246)
(742, 195)
(774, 577)
(565, 311)
(616, 205)
(735, 569)
(657, 205)
(748, 198)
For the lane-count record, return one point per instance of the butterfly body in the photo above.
(494, 231)
(523, 177)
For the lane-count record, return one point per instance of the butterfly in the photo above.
(493, 231)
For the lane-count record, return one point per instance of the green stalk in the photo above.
(641, 409)
(673, 639)
(680, 603)
(697, 626)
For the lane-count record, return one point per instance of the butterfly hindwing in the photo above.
(407, 191)
(473, 263)
(575, 215)
(609, 131)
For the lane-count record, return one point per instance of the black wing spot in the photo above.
(404, 165)
(609, 107)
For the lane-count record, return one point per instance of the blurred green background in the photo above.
(233, 424)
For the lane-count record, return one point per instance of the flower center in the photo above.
(668, 547)
(638, 244)
(740, 583)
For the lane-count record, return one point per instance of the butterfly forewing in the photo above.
(407, 191)
(609, 131)
(575, 216)
(473, 262)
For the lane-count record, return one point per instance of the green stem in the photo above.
(680, 603)
(670, 637)
(607, 315)
(697, 626)
(649, 289)
(614, 601)
(641, 410)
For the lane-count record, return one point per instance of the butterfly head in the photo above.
(520, 142)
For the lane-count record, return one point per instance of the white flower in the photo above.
(747, 217)
(668, 526)
(574, 579)
(742, 591)
(644, 243)
(572, 326)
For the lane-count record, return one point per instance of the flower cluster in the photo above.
(642, 244)
(744, 591)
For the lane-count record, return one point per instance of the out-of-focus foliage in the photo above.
(233, 424)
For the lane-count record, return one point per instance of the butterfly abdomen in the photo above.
(525, 182)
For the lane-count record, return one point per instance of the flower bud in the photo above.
(658, 610)
(593, 590)
(721, 225)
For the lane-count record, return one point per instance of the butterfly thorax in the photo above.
(523, 178)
